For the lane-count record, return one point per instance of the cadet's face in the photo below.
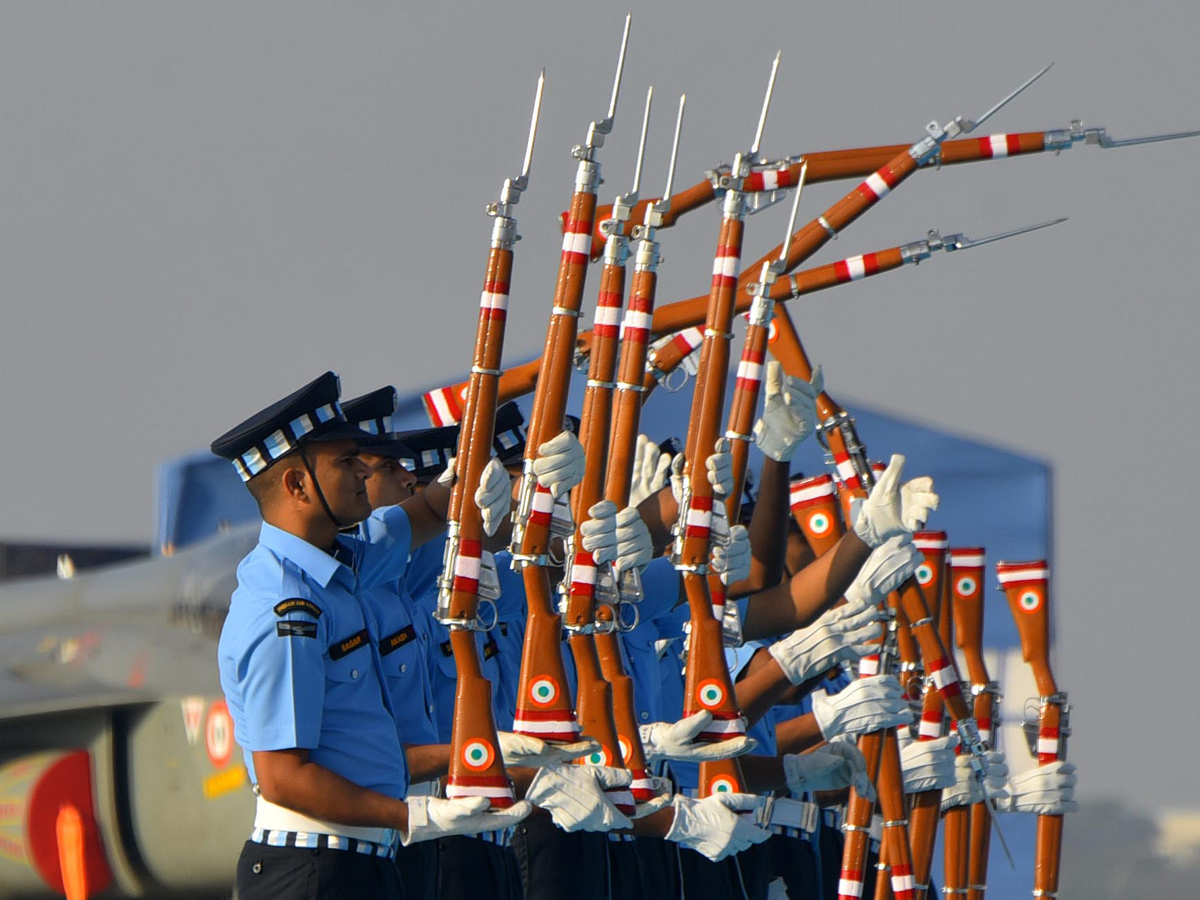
(343, 477)
(389, 482)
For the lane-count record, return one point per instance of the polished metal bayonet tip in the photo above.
(791, 229)
(762, 116)
(666, 198)
(533, 124)
(962, 242)
(971, 125)
(616, 90)
(641, 153)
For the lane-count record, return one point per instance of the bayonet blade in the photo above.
(762, 116)
(665, 203)
(612, 103)
(791, 229)
(968, 126)
(1100, 137)
(533, 124)
(641, 154)
(962, 242)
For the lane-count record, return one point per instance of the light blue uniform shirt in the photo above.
(299, 656)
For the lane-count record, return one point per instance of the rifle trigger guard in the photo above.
(676, 386)
(623, 624)
(479, 615)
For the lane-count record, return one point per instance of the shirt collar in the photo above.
(315, 562)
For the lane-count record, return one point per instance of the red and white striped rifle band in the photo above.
(541, 510)
(636, 324)
(930, 726)
(1047, 745)
(944, 678)
(443, 406)
(699, 517)
(547, 724)
(846, 472)
(750, 370)
(985, 729)
(496, 788)
(998, 146)
(810, 491)
(878, 184)
(467, 565)
(718, 601)
(850, 884)
(726, 266)
(868, 665)
(768, 180)
(493, 302)
(966, 558)
(856, 267)
(1018, 573)
(930, 540)
(724, 725)
(577, 242)
(642, 786)
(583, 575)
(688, 339)
(903, 886)
(608, 315)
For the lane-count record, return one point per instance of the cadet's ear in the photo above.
(294, 483)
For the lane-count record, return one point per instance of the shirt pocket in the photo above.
(349, 659)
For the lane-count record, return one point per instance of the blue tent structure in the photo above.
(990, 497)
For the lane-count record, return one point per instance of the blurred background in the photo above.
(206, 205)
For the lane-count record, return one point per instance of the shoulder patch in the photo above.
(296, 629)
(341, 648)
(397, 640)
(297, 604)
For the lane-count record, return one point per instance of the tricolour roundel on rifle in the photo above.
(818, 522)
(710, 693)
(1029, 600)
(723, 784)
(966, 585)
(599, 757)
(626, 748)
(478, 754)
(924, 573)
(543, 690)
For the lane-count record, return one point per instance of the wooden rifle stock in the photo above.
(966, 568)
(1026, 586)
(816, 510)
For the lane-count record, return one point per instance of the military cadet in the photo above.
(301, 669)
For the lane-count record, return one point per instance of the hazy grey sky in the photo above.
(204, 205)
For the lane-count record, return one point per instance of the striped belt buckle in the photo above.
(313, 841)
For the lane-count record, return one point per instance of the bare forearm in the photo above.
(427, 761)
(763, 773)
(768, 530)
(316, 791)
(761, 687)
(798, 734)
(660, 512)
(427, 513)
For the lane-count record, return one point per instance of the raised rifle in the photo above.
(835, 165)
(585, 586)
(543, 704)
(708, 685)
(626, 415)
(1027, 587)
(476, 764)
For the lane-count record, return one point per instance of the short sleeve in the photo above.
(660, 590)
(282, 678)
(387, 538)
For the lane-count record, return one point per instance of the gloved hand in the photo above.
(677, 740)
(885, 570)
(789, 412)
(731, 547)
(713, 827)
(884, 514)
(493, 496)
(526, 750)
(651, 470)
(635, 550)
(433, 817)
(836, 765)
(928, 765)
(966, 789)
(1047, 790)
(661, 799)
(574, 796)
(842, 634)
(599, 533)
(559, 465)
(719, 467)
(866, 705)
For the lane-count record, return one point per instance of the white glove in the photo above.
(866, 705)
(661, 800)
(883, 513)
(599, 532)
(966, 789)
(493, 496)
(789, 412)
(433, 817)
(635, 549)
(651, 468)
(676, 740)
(526, 750)
(574, 796)
(730, 548)
(928, 765)
(843, 634)
(1047, 790)
(713, 827)
(559, 464)
(719, 467)
(834, 766)
(885, 570)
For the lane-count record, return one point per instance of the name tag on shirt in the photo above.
(397, 640)
(338, 649)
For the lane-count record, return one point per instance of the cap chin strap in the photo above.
(338, 523)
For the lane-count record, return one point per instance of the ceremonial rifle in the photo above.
(708, 685)
(622, 446)
(835, 165)
(967, 572)
(543, 705)
(1026, 585)
(582, 579)
(476, 765)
